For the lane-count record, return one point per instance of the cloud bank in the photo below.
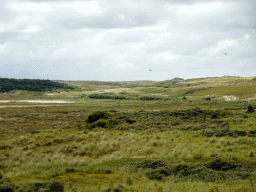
(118, 40)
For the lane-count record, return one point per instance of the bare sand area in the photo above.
(36, 101)
(230, 98)
(32, 101)
(20, 106)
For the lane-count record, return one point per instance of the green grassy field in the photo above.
(151, 139)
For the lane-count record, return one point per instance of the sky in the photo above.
(120, 40)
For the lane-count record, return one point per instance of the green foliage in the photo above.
(126, 97)
(67, 170)
(112, 122)
(130, 121)
(107, 96)
(119, 188)
(96, 116)
(208, 98)
(227, 132)
(101, 123)
(149, 98)
(7, 85)
(7, 186)
(250, 109)
(220, 165)
(211, 171)
(42, 187)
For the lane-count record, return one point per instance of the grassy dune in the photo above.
(173, 144)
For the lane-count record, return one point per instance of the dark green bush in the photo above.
(101, 123)
(114, 189)
(250, 109)
(112, 122)
(226, 132)
(208, 98)
(48, 186)
(96, 116)
(211, 171)
(130, 121)
(214, 116)
(107, 96)
(149, 98)
(158, 173)
(153, 164)
(6, 185)
(69, 170)
(220, 165)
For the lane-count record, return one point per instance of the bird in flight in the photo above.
(225, 53)
(149, 69)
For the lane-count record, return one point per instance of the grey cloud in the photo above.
(127, 33)
(7, 36)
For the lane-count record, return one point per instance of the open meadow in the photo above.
(178, 135)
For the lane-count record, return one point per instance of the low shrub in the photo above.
(114, 189)
(220, 165)
(101, 123)
(130, 121)
(210, 171)
(69, 170)
(47, 186)
(250, 109)
(96, 116)
(112, 122)
(226, 132)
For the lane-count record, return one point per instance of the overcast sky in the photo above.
(120, 40)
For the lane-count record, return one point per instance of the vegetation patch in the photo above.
(227, 132)
(7, 186)
(211, 171)
(7, 85)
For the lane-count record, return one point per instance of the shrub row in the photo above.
(7, 186)
(107, 96)
(227, 132)
(122, 97)
(210, 171)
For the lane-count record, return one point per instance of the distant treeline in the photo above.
(37, 85)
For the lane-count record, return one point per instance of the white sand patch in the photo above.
(45, 101)
(229, 98)
(33, 101)
(20, 106)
